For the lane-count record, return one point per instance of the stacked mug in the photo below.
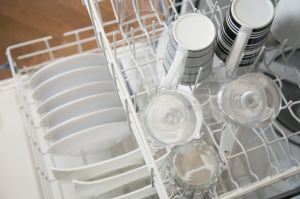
(196, 34)
(242, 13)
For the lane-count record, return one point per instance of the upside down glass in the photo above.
(172, 118)
(251, 100)
(194, 167)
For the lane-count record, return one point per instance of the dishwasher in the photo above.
(77, 111)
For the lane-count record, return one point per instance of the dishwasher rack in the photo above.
(27, 57)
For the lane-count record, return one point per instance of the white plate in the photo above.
(79, 107)
(98, 187)
(98, 169)
(75, 93)
(143, 192)
(64, 64)
(91, 140)
(69, 79)
(85, 121)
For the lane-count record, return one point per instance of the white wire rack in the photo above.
(241, 175)
(24, 59)
(275, 149)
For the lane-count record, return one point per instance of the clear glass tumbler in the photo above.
(251, 100)
(194, 167)
(172, 118)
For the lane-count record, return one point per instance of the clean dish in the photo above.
(244, 30)
(91, 140)
(194, 166)
(98, 169)
(79, 107)
(69, 79)
(65, 64)
(98, 187)
(144, 192)
(190, 45)
(86, 121)
(172, 118)
(75, 93)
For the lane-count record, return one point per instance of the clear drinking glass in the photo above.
(239, 102)
(251, 100)
(194, 166)
(172, 118)
(273, 97)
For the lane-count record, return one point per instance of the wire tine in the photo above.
(254, 66)
(244, 152)
(138, 16)
(286, 105)
(127, 113)
(278, 140)
(279, 82)
(102, 45)
(210, 6)
(114, 46)
(220, 14)
(152, 178)
(114, 76)
(48, 48)
(154, 35)
(132, 51)
(133, 42)
(263, 133)
(192, 5)
(77, 37)
(115, 7)
(285, 60)
(197, 79)
(283, 56)
(292, 112)
(267, 149)
(156, 13)
(277, 52)
(174, 8)
(290, 156)
(214, 10)
(135, 101)
(294, 49)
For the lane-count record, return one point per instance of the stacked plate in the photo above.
(84, 119)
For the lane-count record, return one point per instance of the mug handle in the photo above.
(176, 69)
(234, 57)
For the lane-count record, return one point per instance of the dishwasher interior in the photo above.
(263, 163)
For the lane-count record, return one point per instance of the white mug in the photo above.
(286, 24)
(190, 47)
(244, 30)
